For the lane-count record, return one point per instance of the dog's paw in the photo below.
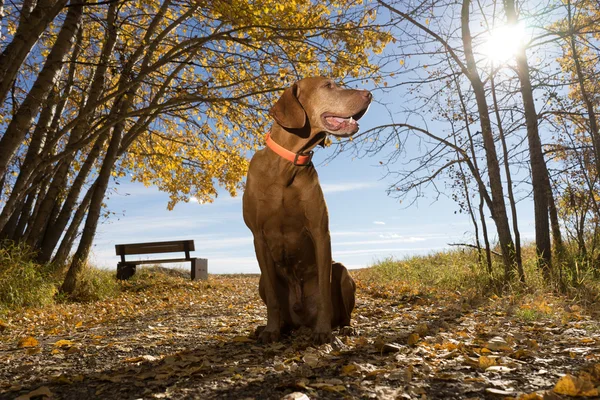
(258, 331)
(266, 336)
(348, 331)
(322, 337)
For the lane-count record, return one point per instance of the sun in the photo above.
(504, 41)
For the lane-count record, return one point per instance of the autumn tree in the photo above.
(171, 93)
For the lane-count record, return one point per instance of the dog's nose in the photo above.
(367, 94)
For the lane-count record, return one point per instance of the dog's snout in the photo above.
(367, 94)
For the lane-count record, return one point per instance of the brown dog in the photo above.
(285, 209)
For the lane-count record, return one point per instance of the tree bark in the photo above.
(32, 24)
(539, 172)
(509, 185)
(55, 229)
(498, 209)
(24, 118)
(60, 258)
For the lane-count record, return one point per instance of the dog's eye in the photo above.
(329, 85)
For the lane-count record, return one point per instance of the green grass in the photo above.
(23, 283)
(452, 270)
(460, 270)
(531, 315)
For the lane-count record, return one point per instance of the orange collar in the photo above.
(295, 158)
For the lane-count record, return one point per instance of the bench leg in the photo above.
(125, 270)
(199, 269)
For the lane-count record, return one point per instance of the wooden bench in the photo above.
(126, 269)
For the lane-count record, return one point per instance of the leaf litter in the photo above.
(179, 339)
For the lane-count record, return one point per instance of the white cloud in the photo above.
(379, 222)
(346, 186)
(411, 239)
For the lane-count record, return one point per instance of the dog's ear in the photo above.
(288, 111)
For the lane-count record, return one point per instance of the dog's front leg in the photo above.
(322, 242)
(267, 269)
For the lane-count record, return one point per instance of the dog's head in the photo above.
(315, 105)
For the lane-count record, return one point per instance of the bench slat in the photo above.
(168, 260)
(155, 247)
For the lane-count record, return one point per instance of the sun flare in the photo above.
(504, 41)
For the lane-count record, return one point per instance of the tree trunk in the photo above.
(509, 185)
(24, 216)
(60, 258)
(498, 209)
(91, 222)
(55, 230)
(50, 239)
(486, 239)
(539, 171)
(32, 24)
(24, 118)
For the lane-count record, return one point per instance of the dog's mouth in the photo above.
(342, 126)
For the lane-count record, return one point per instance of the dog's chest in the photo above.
(287, 228)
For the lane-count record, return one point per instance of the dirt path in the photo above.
(194, 340)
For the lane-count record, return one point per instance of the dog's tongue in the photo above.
(340, 122)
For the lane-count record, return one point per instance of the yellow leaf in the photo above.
(413, 339)
(349, 369)
(63, 343)
(569, 385)
(28, 341)
(486, 362)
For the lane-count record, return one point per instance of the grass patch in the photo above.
(452, 270)
(95, 284)
(23, 283)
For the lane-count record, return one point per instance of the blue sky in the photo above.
(366, 224)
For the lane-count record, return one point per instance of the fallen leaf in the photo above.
(349, 369)
(63, 343)
(422, 329)
(485, 362)
(499, 391)
(41, 392)
(28, 341)
(137, 359)
(242, 339)
(311, 359)
(413, 339)
(499, 368)
(295, 396)
(573, 386)
(34, 350)
(531, 396)
(498, 344)
(328, 387)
